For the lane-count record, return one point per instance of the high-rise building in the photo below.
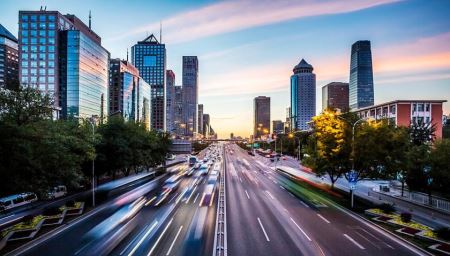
(206, 125)
(9, 60)
(178, 111)
(335, 95)
(303, 96)
(170, 101)
(129, 94)
(200, 119)
(277, 126)
(62, 56)
(361, 92)
(149, 57)
(261, 108)
(287, 123)
(190, 93)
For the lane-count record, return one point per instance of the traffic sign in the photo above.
(352, 179)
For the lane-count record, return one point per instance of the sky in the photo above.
(249, 48)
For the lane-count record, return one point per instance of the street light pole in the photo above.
(92, 121)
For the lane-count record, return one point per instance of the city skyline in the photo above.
(404, 56)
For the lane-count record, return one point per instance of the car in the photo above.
(170, 157)
(17, 200)
(56, 192)
(284, 158)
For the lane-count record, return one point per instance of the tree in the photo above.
(440, 166)
(328, 148)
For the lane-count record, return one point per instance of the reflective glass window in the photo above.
(24, 33)
(42, 49)
(33, 41)
(42, 25)
(51, 48)
(33, 18)
(51, 18)
(42, 18)
(42, 33)
(24, 18)
(51, 71)
(33, 25)
(33, 33)
(51, 33)
(51, 25)
(24, 25)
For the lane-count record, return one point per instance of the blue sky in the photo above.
(248, 48)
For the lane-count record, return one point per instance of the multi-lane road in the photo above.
(262, 218)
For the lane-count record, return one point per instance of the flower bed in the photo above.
(409, 231)
(442, 248)
(23, 226)
(77, 209)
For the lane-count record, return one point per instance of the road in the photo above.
(169, 228)
(264, 218)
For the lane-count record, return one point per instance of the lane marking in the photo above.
(262, 227)
(173, 242)
(195, 199)
(307, 206)
(160, 236)
(354, 242)
(150, 201)
(365, 238)
(189, 198)
(134, 239)
(307, 237)
(240, 179)
(320, 216)
(270, 194)
(282, 187)
(291, 194)
(143, 238)
(247, 194)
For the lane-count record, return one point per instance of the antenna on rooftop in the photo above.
(160, 32)
(90, 19)
(127, 54)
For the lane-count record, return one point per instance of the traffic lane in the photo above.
(344, 230)
(272, 235)
(188, 219)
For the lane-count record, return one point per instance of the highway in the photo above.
(264, 218)
(178, 225)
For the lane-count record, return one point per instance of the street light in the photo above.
(291, 135)
(352, 159)
(93, 121)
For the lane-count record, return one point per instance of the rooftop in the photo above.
(5, 33)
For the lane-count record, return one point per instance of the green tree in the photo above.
(440, 166)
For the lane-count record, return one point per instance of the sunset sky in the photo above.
(249, 48)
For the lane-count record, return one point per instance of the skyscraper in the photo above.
(9, 60)
(361, 92)
(200, 119)
(178, 111)
(206, 125)
(261, 108)
(56, 54)
(335, 95)
(303, 96)
(149, 57)
(129, 94)
(170, 101)
(190, 93)
(277, 126)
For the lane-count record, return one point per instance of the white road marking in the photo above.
(150, 201)
(307, 206)
(354, 242)
(307, 237)
(320, 216)
(247, 194)
(195, 199)
(282, 187)
(132, 241)
(143, 238)
(175, 239)
(291, 194)
(159, 238)
(240, 179)
(189, 198)
(270, 194)
(262, 227)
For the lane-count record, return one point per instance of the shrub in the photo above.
(406, 216)
(51, 211)
(387, 208)
(28, 219)
(70, 203)
(443, 233)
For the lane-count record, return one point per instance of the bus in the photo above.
(17, 200)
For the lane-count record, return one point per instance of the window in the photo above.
(41, 56)
(42, 25)
(42, 49)
(33, 72)
(24, 71)
(25, 56)
(420, 107)
(25, 33)
(33, 18)
(33, 56)
(51, 71)
(25, 18)
(42, 40)
(33, 25)
(33, 33)
(33, 41)
(33, 48)
(51, 49)
(51, 33)
(24, 25)
(51, 18)
(427, 107)
(51, 64)
(149, 61)
(42, 18)
(51, 56)
(24, 40)
(42, 79)
(51, 79)
(24, 64)
(51, 25)
(33, 64)
(42, 71)
(42, 33)
(51, 40)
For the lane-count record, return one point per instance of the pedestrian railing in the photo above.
(220, 239)
(438, 203)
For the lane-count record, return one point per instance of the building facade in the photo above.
(200, 119)
(206, 125)
(170, 101)
(335, 95)
(60, 55)
(406, 112)
(261, 117)
(129, 94)
(9, 60)
(190, 93)
(149, 57)
(361, 92)
(178, 111)
(303, 96)
(278, 126)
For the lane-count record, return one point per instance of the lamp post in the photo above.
(291, 135)
(92, 121)
(352, 176)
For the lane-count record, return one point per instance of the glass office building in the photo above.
(303, 96)
(143, 103)
(170, 101)
(62, 56)
(190, 93)
(84, 76)
(149, 57)
(361, 92)
(261, 117)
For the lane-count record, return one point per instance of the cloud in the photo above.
(230, 16)
(396, 63)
